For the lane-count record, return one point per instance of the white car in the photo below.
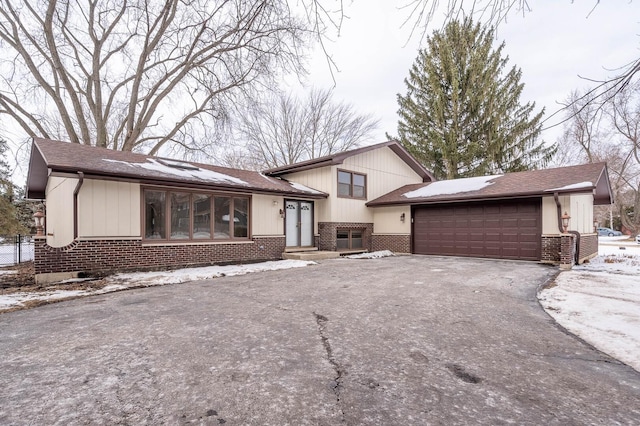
(638, 238)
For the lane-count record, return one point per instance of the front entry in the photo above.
(299, 223)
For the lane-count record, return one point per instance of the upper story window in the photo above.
(192, 216)
(351, 185)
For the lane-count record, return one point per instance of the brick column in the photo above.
(567, 251)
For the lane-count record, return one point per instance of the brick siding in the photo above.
(560, 249)
(328, 230)
(550, 249)
(105, 256)
(567, 254)
(394, 243)
(588, 246)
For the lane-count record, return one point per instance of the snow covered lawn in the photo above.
(599, 301)
(17, 300)
(118, 282)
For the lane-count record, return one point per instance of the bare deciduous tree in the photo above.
(139, 74)
(624, 113)
(582, 136)
(610, 133)
(283, 129)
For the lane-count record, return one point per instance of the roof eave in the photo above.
(419, 201)
(160, 181)
(37, 174)
(339, 158)
(602, 193)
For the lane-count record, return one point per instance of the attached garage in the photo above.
(505, 229)
(517, 216)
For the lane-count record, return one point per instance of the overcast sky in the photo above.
(553, 44)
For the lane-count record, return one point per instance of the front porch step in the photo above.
(299, 249)
(310, 255)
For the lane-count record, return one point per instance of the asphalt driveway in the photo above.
(400, 340)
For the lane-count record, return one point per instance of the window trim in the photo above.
(192, 192)
(349, 239)
(351, 184)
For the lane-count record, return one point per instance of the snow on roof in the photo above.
(455, 186)
(304, 188)
(198, 173)
(579, 185)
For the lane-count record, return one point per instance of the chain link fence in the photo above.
(15, 249)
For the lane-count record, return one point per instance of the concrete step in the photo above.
(311, 255)
(299, 249)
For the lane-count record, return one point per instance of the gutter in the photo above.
(75, 204)
(576, 233)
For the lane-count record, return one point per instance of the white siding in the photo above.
(265, 215)
(320, 179)
(386, 220)
(581, 213)
(59, 210)
(578, 206)
(109, 209)
(384, 171)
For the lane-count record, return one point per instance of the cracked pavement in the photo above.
(399, 340)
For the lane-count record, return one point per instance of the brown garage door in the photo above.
(497, 229)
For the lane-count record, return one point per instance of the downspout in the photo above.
(576, 233)
(75, 204)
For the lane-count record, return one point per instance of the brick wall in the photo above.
(395, 243)
(560, 249)
(567, 253)
(550, 249)
(103, 256)
(327, 232)
(588, 246)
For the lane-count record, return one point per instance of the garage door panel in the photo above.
(492, 237)
(529, 238)
(510, 222)
(498, 229)
(527, 223)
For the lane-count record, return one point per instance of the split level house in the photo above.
(109, 210)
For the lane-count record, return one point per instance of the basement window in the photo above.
(349, 239)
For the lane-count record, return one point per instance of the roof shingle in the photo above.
(92, 161)
(582, 178)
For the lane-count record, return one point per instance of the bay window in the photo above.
(188, 216)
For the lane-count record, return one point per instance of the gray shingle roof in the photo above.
(101, 162)
(583, 178)
(338, 158)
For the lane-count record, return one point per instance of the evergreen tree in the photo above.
(9, 222)
(461, 115)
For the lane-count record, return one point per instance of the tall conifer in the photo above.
(461, 115)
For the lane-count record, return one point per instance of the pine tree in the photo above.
(461, 115)
(9, 222)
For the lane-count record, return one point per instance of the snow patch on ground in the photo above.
(205, 273)
(147, 279)
(454, 186)
(372, 255)
(599, 301)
